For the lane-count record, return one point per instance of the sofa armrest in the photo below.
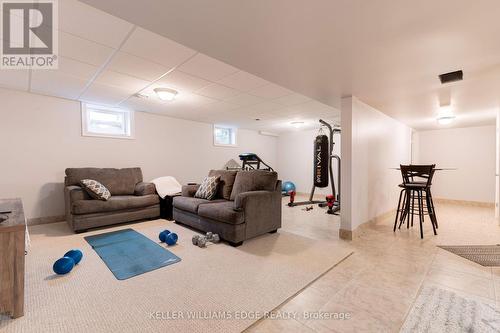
(144, 188)
(189, 190)
(256, 198)
(75, 193)
(262, 210)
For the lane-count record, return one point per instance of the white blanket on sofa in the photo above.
(167, 186)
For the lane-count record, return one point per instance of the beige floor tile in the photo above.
(311, 299)
(449, 261)
(468, 283)
(278, 325)
(378, 283)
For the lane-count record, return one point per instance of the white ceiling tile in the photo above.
(292, 99)
(263, 107)
(156, 48)
(270, 91)
(142, 104)
(243, 81)
(207, 68)
(193, 100)
(244, 100)
(73, 68)
(313, 106)
(286, 111)
(218, 91)
(15, 79)
(218, 107)
(183, 82)
(122, 81)
(129, 64)
(104, 94)
(88, 22)
(57, 83)
(81, 49)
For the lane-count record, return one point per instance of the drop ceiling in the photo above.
(107, 60)
(388, 53)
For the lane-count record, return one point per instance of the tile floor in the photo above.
(378, 284)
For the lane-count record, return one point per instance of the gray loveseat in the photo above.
(131, 198)
(248, 204)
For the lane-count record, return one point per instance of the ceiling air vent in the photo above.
(451, 77)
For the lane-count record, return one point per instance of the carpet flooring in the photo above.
(216, 289)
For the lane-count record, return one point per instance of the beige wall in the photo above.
(471, 150)
(372, 144)
(40, 136)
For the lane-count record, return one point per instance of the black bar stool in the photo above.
(416, 187)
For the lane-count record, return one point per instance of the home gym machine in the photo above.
(323, 170)
(253, 162)
(250, 161)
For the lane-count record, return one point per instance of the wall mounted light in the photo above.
(165, 94)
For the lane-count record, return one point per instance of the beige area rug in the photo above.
(437, 310)
(221, 284)
(485, 255)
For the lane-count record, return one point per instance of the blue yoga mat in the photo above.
(128, 253)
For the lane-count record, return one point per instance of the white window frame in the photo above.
(234, 134)
(130, 122)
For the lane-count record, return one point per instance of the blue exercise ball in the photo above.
(171, 239)
(287, 187)
(64, 265)
(75, 254)
(163, 235)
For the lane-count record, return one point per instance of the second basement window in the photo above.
(224, 136)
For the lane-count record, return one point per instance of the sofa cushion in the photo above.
(208, 188)
(226, 182)
(188, 204)
(221, 211)
(117, 181)
(254, 180)
(95, 189)
(115, 203)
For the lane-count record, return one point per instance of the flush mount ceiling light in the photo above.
(445, 115)
(445, 120)
(297, 124)
(165, 94)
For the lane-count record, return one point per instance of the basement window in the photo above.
(107, 122)
(224, 136)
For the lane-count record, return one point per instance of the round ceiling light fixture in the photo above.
(165, 94)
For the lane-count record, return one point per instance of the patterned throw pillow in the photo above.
(95, 189)
(208, 188)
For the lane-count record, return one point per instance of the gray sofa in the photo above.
(131, 198)
(248, 204)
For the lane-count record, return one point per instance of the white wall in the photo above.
(471, 150)
(375, 144)
(40, 136)
(295, 159)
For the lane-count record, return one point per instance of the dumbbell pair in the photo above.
(67, 262)
(201, 241)
(168, 237)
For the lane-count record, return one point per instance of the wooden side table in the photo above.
(12, 252)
